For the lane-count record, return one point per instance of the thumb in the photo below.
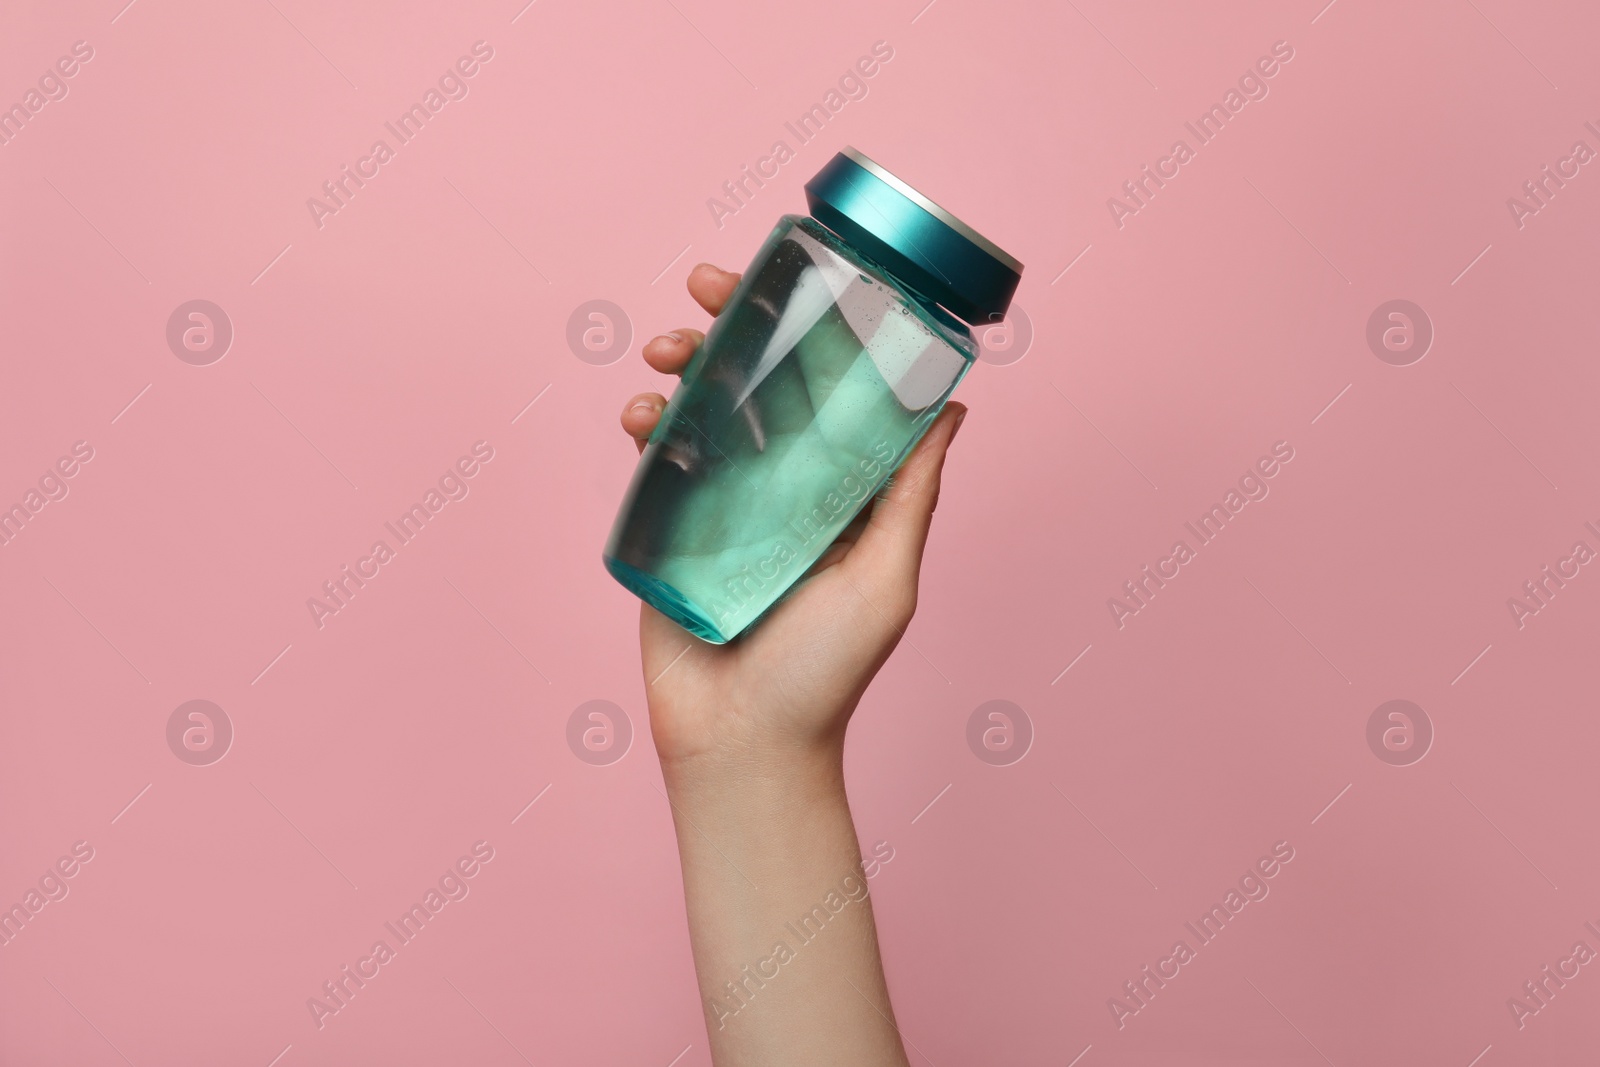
(889, 551)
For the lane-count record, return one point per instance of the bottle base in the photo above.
(667, 600)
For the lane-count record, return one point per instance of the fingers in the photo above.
(640, 415)
(711, 286)
(887, 557)
(671, 352)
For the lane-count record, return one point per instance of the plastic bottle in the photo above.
(832, 357)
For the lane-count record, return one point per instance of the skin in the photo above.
(751, 740)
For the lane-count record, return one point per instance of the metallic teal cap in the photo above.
(911, 237)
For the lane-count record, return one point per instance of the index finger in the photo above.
(712, 286)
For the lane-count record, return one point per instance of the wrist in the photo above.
(790, 777)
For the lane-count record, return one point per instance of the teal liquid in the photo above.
(811, 388)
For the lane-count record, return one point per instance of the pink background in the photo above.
(369, 354)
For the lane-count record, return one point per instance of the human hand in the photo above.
(784, 690)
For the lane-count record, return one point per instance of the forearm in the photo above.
(781, 924)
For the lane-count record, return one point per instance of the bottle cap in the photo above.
(916, 240)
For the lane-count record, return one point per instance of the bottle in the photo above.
(834, 354)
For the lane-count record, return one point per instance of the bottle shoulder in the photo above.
(952, 329)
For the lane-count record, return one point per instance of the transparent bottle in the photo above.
(834, 354)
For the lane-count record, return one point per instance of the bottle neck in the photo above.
(934, 310)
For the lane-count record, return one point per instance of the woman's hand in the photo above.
(751, 740)
(784, 690)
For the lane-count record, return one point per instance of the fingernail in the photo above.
(643, 405)
(677, 338)
(960, 415)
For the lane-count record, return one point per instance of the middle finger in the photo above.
(671, 352)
